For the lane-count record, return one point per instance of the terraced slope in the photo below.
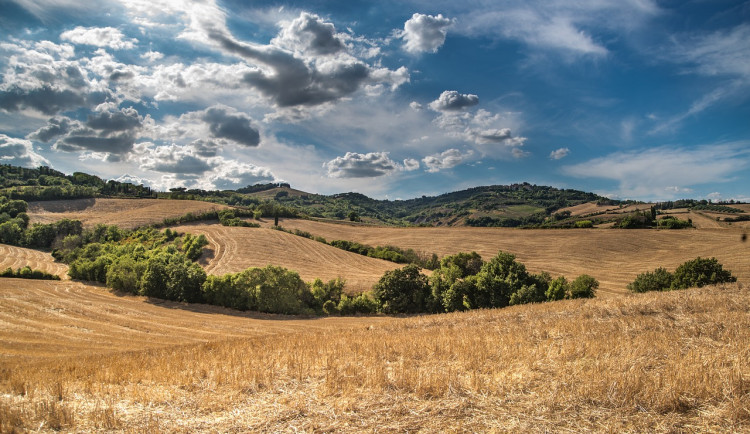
(126, 213)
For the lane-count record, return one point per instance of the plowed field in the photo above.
(18, 257)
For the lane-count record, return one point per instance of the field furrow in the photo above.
(18, 257)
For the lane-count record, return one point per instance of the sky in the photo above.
(631, 99)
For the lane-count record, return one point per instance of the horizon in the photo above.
(643, 100)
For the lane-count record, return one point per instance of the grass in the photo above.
(667, 362)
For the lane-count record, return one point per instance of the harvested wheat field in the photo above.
(18, 257)
(52, 319)
(126, 213)
(233, 249)
(658, 362)
(613, 256)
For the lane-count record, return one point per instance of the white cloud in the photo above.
(658, 173)
(19, 152)
(355, 165)
(308, 33)
(559, 153)
(410, 164)
(451, 100)
(445, 160)
(99, 37)
(425, 33)
(566, 27)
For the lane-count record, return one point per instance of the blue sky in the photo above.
(637, 99)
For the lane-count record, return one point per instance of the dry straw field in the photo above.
(670, 362)
(613, 256)
(126, 213)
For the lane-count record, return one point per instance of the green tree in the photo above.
(499, 279)
(584, 286)
(700, 272)
(658, 280)
(403, 290)
(558, 289)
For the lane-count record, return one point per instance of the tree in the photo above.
(403, 290)
(499, 279)
(558, 289)
(700, 272)
(584, 286)
(658, 280)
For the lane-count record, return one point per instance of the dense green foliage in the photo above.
(464, 281)
(695, 273)
(27, 273)
(671, 222)
(44, 183)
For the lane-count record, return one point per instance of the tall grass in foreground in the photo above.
(676, 361)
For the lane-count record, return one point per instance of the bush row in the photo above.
(27, 273)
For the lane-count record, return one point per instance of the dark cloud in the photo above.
(57, 126)
(354, 165)
(114, 144)
(48, 100)
(235, 127)
(291, 82)
(309, 33)
(451, 100)
(186, 164)
(109, 121)
(111, 131)
(492, 136)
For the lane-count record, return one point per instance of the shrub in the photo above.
(359, 304)
(658, 280)
(671, 222)
(499, 279)
(558, 289)
(700, 272)
(583, 287)
(403, 290)
(584, 224)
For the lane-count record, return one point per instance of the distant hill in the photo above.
(516, 205)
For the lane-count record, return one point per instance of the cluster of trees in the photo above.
(464, 281)
(27, 273)
(696, 273)
(231, 217)
(15, 229)
(647, 219)
(44, 183)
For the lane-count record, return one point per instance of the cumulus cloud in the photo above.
(451, 100)
(99, 37)
(182, 160)
(410, 164)
(309, 33)
(291, 80)
(233, 126)
(108, 130)
(484, 130)
(559, 153)
(644, 174)
(44, 77)
(231, 175)
(19, 152)
(355, 165)
(425, 33)
(57, 126)
(445, 160)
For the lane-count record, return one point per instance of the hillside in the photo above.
(77, 358)
(233, 249)
(125, 213)
(613, 256)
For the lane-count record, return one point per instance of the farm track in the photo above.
(42, 319)
(18, 257)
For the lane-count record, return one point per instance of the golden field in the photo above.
(78, 358)
(667, 362)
